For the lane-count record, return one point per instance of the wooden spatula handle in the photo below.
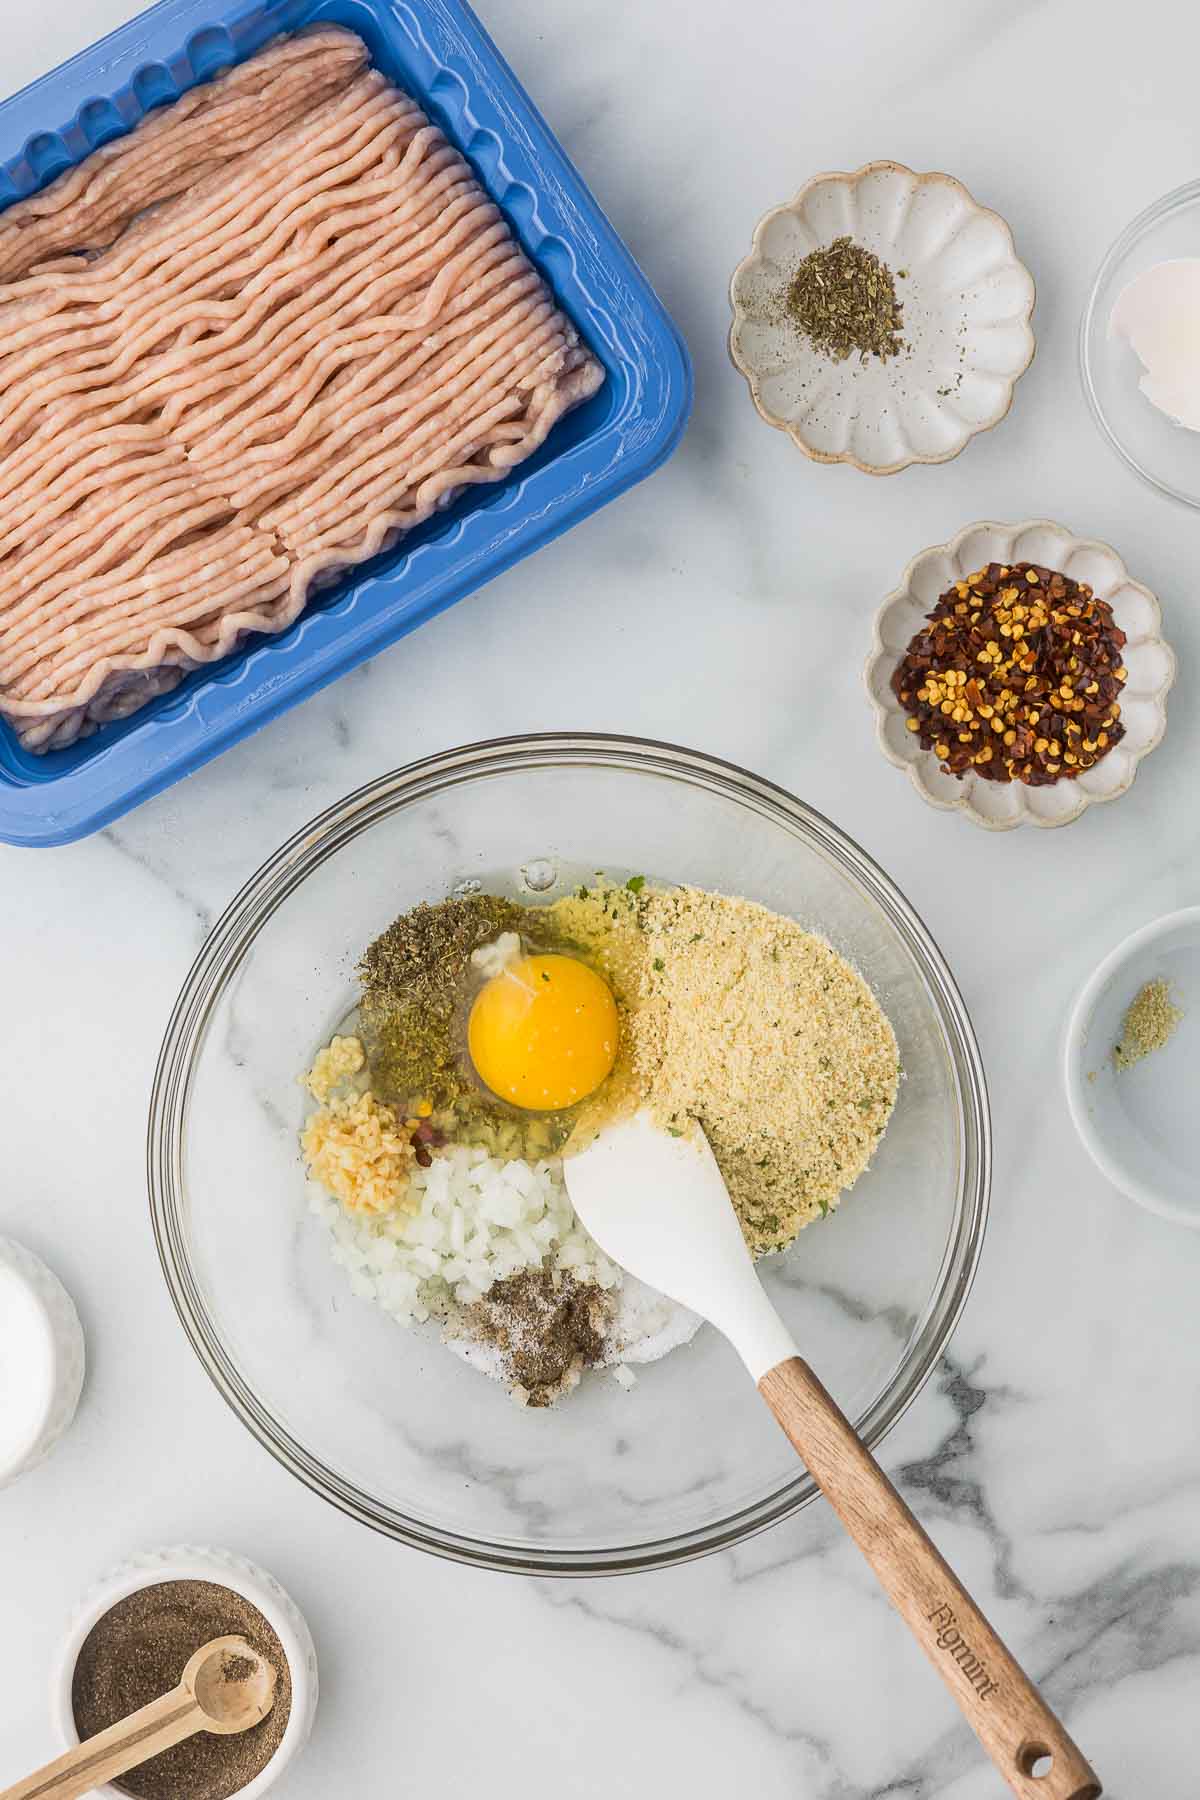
(1009, 1716)
(114, 1752)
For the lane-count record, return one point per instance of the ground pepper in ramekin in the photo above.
(233, 1595)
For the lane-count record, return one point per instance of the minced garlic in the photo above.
(354, 1146)
(333, 1066)
(359, 1151)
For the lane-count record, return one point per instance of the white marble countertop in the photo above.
(725, 604)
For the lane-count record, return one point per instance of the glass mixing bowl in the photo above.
(386, 1423)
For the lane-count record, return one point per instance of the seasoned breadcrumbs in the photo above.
(764, 1034)
(739, 1018)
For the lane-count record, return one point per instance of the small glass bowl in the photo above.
(1164, 454)
(387, 1424)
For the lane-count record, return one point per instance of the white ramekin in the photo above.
(65, 1364)
(188, 1563)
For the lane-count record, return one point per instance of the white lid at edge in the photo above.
(41, 1360)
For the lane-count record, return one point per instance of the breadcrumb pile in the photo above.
(738, 1018)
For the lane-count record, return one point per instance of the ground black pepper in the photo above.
(546, 1325)
(139, 1650)
(237, 1668)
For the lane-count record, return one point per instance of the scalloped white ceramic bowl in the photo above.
(1151, 663)
(192, 1563)
(967, 303)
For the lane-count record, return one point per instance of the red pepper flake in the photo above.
(1016, 675)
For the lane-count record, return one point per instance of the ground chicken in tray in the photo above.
(305, 329)
(445, 1196)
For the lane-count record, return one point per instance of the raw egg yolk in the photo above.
(544, 1033)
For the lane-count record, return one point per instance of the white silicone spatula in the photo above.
(658, 1205)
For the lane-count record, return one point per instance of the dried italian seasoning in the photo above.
(1016, 675)
(844, 301)
(412, 980)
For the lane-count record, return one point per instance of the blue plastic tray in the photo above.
(438, 51)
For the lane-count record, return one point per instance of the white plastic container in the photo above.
(188, 1563)
(41, 1360)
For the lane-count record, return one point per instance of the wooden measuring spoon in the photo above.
(658, 1205)
(216, 1693)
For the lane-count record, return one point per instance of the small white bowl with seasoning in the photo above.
(995, 718)
(139, 1625)
(1130, 1057)
(882, 318)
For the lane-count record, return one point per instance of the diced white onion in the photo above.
(478, 1220)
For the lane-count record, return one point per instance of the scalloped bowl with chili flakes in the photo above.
(1019, 674)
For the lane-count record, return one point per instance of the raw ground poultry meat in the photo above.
(242, 349)
(1016, 676)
